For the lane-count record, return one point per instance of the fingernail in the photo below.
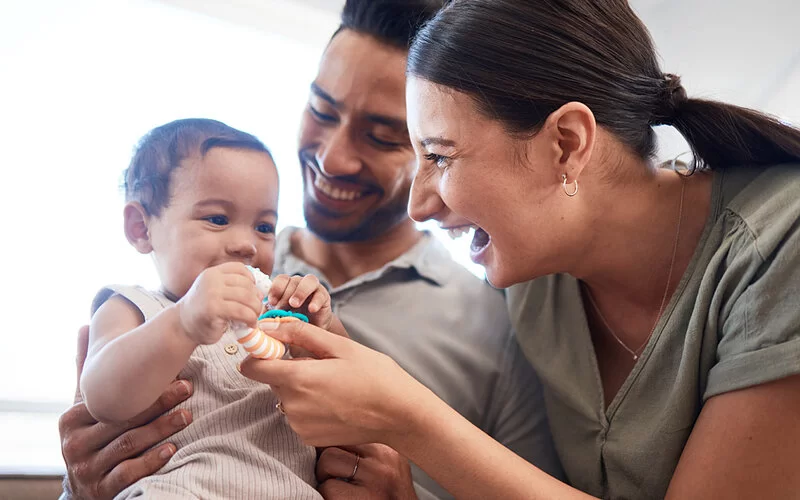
(239, 367)
(268, 325)
(179, 419)
(185, 389)
(166, 452)
(294, 302)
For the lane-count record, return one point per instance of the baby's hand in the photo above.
(304, 294)
(221, 294)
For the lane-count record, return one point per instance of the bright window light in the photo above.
(80, 83)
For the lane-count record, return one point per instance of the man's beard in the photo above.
(370, 227)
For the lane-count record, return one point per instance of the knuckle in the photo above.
(124, 445)
(80, 472)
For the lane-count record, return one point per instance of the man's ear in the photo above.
(572, 131)
(136, 230)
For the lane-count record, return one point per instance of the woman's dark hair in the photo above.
(393, 22)
(521, 60)
(160, 151)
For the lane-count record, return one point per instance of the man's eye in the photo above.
(265, 228)
(384, 143)
(321, 116)
(439, 160)
(217, 220)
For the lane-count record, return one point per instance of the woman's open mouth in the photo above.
(480, 239)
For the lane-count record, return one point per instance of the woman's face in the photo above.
(472, 173)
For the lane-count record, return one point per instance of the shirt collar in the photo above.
(428, 258)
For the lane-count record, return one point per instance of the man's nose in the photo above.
(337, 156)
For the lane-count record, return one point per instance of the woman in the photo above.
(661, 308)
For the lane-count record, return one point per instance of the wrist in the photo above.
(410, 419)
(178, 327)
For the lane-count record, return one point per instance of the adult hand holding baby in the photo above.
(103, 459)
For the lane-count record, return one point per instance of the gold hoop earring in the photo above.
(564, 185)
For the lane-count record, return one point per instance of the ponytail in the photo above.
(723, 135)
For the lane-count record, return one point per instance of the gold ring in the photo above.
(355, 468)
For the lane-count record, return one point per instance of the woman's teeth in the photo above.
(457, 232)
(334, 192)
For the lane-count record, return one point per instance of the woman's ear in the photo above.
(572, 130)
(136, 230)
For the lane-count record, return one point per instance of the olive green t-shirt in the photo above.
(733, 322)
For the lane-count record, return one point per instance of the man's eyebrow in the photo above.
(323, 95)
(438, 141)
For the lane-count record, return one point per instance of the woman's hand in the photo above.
(104, 459)
(350, 395)
(368, 471)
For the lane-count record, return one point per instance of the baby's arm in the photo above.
(130, 362)
(306, 294)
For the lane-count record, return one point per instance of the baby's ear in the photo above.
(136, 220)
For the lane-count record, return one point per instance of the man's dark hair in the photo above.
(394, 22)
(160, 151)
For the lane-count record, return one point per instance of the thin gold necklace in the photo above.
(636, 352)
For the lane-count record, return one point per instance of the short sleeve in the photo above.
(760, 336)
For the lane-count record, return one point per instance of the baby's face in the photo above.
(222, 208)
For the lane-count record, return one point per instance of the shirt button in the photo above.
(231, 348)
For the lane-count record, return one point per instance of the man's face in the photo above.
(355, 154)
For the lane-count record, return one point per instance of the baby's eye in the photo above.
(217, 220)
(265, 228)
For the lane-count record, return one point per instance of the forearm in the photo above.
(148, 358)
(465, 460)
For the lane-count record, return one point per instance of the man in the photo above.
(395, 288)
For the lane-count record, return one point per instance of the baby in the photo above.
(202, 199)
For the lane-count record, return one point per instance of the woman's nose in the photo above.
(424, 202)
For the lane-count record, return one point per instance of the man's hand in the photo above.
(104, 459)
(382, 473)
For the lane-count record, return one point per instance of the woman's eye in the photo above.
(265, 228)
(217, 220)
(439, 160)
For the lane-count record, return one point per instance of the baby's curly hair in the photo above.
(160, 151)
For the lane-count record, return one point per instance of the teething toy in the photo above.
(255, 342)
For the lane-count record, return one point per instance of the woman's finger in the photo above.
(319, 342)
(275, 372)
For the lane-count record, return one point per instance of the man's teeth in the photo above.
(457, 232)
(335, 192)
